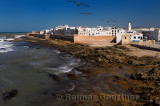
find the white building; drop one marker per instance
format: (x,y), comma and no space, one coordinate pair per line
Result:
(46,31)
(65,30)
(152,34)
(140,30)
(99,31)
(134,35)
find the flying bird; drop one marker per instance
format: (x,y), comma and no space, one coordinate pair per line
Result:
(85,13)
(78,4)
(113,20)
(109,20)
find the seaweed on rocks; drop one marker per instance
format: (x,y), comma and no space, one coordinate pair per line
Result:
(102,59)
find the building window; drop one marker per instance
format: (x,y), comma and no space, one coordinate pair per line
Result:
(134,37)
(139,37)
(125,37)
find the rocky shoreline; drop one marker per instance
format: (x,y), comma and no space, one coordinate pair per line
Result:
(137,75)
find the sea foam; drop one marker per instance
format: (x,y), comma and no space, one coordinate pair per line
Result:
(6,45)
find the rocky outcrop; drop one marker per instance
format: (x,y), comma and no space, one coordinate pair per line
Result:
(153,74)
(55,77)
(99,60)
(148,85)
(9,94)
(72,76)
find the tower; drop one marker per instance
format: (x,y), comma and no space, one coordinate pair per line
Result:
(129,26)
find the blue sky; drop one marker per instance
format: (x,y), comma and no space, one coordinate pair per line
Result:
(28,15)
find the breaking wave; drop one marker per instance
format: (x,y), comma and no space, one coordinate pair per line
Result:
(65,68)
(18,36)
(61,69)
(6,45)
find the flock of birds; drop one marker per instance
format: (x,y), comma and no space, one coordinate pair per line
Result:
(82,4)
(78,4)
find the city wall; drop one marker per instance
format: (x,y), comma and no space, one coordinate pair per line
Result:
(74,38)
(37,35)
(63,37)
(85,39)
(149,45)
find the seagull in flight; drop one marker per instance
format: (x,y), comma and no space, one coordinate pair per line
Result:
(107,21)
(78,4)
(110,21)
(113,20)
(85,13)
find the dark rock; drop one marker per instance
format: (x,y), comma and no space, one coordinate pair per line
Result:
(72,76)
(10,37)
(9,94)
(120,67)
(153,74)
(55,77)
(117,77)
(137,76)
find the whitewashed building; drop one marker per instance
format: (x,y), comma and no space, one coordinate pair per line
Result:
(99,31)
(47,31)
(65,30)
(152,34)
(134,35)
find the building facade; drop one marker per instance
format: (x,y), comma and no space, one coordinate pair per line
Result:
(152,34)
(65,30)
(100,31)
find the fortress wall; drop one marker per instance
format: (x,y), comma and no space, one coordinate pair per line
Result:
(75,38)
(42,36)
(85,39)
(63,37)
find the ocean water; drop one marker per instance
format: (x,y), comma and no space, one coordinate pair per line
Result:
(26,68)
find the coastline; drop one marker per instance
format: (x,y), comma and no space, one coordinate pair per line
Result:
(114,67)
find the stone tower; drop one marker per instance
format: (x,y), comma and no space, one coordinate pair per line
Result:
(129,26)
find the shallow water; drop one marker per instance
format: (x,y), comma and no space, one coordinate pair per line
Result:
(26,67)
